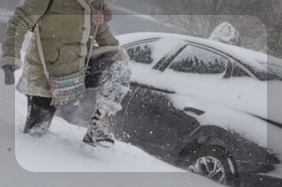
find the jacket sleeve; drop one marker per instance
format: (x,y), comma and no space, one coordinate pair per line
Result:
(24,18)
(106,40)
(105,37)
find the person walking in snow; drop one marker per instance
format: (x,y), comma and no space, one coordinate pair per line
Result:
(72,49)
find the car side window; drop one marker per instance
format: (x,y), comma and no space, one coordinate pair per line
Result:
(141,53)
(195,59)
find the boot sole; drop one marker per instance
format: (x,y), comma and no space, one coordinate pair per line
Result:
(108,143)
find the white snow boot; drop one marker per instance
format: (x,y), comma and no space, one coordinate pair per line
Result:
(97,133)
(113,85)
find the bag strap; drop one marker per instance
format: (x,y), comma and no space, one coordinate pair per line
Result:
(93,36)
(41,52)
(48,8)
(39,43)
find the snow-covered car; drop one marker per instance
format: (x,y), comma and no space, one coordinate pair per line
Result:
(202,105)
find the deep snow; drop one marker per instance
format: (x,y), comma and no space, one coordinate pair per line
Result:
(63,151)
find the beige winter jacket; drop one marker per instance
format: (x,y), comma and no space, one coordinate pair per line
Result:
(64,31)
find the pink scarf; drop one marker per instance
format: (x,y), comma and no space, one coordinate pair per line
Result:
(102,16)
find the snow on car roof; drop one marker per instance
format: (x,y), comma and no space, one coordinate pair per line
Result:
(245,56)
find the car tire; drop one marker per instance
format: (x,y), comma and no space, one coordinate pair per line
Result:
(214,163)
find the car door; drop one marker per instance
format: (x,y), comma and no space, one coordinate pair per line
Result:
(211,77)
(247,87)
(149,120)
(198,71)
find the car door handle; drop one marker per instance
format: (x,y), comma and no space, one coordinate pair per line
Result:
(194,110)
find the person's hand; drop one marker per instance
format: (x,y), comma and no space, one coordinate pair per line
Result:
(9,74)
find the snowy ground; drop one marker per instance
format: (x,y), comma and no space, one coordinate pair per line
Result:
(63,151)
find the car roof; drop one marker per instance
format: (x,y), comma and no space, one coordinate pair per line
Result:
(246,56)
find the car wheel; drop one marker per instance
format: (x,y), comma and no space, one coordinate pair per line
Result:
(214,163)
